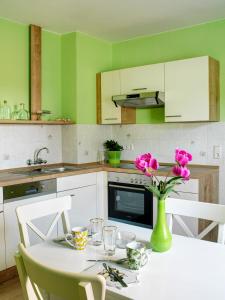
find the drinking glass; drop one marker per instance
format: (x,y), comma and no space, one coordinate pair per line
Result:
(96,231)
(109,237)
(101,157)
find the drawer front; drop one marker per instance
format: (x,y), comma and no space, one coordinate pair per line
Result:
(190,186)
(76,181)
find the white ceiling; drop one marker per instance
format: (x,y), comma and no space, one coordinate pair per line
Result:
(113,20)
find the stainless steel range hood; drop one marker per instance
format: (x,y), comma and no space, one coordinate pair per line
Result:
(140,100)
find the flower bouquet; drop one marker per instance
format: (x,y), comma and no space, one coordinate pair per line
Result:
(161,239)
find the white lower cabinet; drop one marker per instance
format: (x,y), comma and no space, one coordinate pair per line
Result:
(84,205)
(2,243)
(12,237)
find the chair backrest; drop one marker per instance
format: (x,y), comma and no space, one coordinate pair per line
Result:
(201,210)
(27,213)
(35,278)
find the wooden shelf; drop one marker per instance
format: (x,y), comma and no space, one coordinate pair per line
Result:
(31,122)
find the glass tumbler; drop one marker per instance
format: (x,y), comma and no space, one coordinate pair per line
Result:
(96,231)
(109,237)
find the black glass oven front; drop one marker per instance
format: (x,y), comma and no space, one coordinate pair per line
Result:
(130,203)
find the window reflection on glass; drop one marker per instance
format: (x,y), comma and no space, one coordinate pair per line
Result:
(129,202)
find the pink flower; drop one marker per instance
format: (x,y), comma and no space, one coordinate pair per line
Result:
(146,163)
(182,157)
(181,171)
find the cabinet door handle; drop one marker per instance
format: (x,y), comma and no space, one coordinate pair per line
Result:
(174,116)
(110,119)
(139,89)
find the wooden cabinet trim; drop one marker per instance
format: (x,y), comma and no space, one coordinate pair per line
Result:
(214,90)
(98,99)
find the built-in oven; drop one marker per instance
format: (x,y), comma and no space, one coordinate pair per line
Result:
(128,199)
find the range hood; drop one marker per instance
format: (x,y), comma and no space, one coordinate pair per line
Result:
(140,100)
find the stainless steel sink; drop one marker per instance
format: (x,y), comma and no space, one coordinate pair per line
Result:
(47,170)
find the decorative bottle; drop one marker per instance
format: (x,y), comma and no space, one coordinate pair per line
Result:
(6,111)
(22,114)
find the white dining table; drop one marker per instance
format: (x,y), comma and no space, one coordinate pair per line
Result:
(191,270)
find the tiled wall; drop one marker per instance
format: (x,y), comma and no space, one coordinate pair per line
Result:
(18,143)
(162,139)
(81,143)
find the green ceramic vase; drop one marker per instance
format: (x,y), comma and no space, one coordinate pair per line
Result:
(114,157)
(161,238)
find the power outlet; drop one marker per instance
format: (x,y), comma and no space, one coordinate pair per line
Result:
(128,147)
(217,152)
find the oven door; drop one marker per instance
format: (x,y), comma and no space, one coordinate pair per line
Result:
(132,204)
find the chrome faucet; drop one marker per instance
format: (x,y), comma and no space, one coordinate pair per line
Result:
(38,160)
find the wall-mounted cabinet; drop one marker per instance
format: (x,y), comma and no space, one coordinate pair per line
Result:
(142,79)
(125,81)
(192,90)
(108,84)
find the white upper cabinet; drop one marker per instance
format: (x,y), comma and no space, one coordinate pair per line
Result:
(192,90)
(110,85)
(142,79)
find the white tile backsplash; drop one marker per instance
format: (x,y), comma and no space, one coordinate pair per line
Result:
(91,142)
(162,139)
(80,143)
(18,143)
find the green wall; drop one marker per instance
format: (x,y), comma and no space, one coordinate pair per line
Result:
(82,57)
(14,63)
(206,39)
(14,66)
(51,73)
(68,75)
(93,56)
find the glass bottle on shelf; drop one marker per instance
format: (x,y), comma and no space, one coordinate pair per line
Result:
(22,114)
(6,111)
(14,115)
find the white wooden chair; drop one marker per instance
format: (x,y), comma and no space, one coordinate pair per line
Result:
(201,210)
(27,213)
(35,278)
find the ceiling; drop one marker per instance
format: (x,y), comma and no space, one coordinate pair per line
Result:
(113,20)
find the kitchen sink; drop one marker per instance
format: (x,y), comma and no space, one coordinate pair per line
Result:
(47,170)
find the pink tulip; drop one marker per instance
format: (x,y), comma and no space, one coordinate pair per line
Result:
(182,157)
(181,171)
(146,163)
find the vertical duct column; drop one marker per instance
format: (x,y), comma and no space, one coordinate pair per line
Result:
(35,71)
